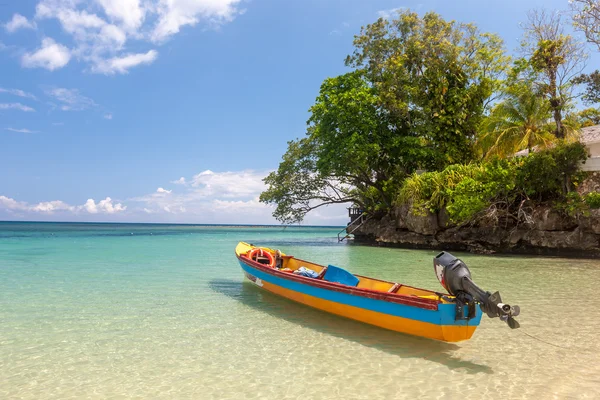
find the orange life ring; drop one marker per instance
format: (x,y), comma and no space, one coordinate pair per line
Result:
(258,252)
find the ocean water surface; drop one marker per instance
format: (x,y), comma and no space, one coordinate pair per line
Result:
(162,311)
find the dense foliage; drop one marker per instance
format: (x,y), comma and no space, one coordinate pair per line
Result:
(498,188)
(593,200)
(435,78)
(426,94)
(415,99)
(592,86)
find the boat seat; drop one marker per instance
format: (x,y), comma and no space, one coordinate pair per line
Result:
(340,275)
(395,288)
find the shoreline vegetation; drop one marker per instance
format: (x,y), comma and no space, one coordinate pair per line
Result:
(426,135)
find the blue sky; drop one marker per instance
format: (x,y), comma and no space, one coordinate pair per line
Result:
(106,104)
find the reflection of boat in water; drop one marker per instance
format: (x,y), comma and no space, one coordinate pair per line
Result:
(448,317)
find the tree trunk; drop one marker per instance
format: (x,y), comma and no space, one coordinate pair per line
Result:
(560,130)
(555,103)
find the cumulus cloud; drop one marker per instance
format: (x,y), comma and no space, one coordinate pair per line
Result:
(128,13)
(101,29)
(70,99)
(230,197)
(105,206)
(21,130)
(19,22)
(18,92)
(108,116)
(51,206)
(15,106)
(50,56)
(211,194)
(229,184)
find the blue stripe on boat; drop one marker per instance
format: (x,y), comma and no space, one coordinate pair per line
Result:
(443,316)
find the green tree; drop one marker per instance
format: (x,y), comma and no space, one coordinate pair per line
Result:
(417,94)
(519,122)
(352,153)
(435,77)
(592,86)
(588,117)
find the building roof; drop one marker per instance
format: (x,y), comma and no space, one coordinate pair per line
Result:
(590,134)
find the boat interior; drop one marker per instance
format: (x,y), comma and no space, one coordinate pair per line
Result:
(290,264)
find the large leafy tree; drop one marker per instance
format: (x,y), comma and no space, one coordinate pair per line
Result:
(414,100)
(352,153)
(434,76)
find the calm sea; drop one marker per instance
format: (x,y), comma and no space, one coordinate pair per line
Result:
(161,311)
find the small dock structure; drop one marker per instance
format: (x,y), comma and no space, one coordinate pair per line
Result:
(357,218)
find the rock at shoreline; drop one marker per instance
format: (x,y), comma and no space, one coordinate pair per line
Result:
(550,233)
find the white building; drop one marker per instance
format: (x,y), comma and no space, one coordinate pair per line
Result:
(590,136)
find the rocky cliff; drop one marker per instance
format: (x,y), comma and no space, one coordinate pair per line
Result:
(548,232)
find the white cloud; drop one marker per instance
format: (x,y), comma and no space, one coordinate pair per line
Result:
(18,22)
(101,29)
(173,14)
(108,116)
(229,184)
(105,206)
(129,13)
(18,92)
(15,106)
(122,64)
(50,56)
(21,130)
(215,197)
(71,99)
(210,197)
(11,204)
(73,21)
(51,206)
(391,13)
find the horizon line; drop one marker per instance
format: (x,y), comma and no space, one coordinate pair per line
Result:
(171,223)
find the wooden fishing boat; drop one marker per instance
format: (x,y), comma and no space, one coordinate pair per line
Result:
(390,305)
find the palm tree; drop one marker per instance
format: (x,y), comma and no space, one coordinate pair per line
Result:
(521,121)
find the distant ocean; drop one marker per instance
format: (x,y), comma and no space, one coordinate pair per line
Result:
(161,311)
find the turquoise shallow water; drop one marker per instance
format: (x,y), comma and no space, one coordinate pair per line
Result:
(158,311)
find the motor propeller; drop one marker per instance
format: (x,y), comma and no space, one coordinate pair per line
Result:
(455,277)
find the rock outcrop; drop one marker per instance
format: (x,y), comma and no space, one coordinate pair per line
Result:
(550,232)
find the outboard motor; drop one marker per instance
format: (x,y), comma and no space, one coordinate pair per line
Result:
(455,277)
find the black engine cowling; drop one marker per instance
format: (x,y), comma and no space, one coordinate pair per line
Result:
(455,277)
